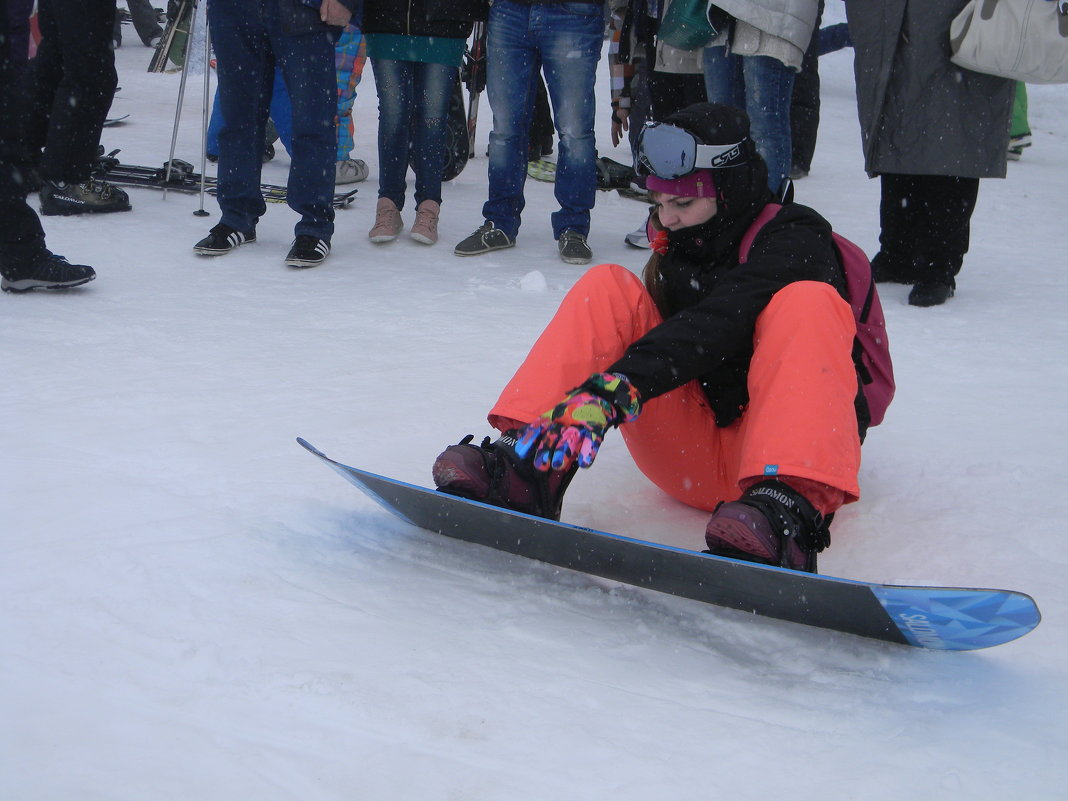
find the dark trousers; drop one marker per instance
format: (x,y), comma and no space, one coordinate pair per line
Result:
(18,30)
(671,92)
(70,85)
(805,103)
(20,229)
(249,43)
(926,222)
(145,22)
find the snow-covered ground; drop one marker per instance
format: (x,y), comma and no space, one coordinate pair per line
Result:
(194,609)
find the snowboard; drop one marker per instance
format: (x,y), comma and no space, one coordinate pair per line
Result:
(182,178)
(171,46)
(944,618)
(610,175)
(474,78)
(542,170)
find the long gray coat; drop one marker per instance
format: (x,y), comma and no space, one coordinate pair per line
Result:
(920,114)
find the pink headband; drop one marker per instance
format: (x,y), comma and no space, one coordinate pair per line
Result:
(698,183)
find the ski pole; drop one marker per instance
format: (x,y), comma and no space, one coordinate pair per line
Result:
(181,96)
(204,118)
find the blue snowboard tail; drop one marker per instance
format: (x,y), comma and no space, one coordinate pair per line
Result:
(944,618)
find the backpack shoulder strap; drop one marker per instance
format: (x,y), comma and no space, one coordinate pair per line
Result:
(766,214)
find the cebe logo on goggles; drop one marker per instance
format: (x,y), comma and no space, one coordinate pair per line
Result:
(669,152)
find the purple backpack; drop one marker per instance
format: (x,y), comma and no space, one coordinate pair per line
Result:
(871,349)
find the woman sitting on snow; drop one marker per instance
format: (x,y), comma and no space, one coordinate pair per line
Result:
(733,386)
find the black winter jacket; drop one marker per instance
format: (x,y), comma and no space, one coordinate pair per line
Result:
(446,18)
(713,302)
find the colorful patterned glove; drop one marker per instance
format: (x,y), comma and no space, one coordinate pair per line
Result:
(573,430)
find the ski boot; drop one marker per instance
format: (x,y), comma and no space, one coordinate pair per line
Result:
(772,524)
(493,473)
(89,197)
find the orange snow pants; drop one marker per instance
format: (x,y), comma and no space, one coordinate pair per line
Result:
(800,420)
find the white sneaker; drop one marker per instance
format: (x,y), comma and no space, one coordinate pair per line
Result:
(350,171)
(638,238)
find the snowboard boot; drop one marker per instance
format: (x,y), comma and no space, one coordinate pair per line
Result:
(89,197)
(772,524)
(493,473)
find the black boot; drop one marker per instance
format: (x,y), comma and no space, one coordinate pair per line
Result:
(932,292)
(887,268)
(45,271)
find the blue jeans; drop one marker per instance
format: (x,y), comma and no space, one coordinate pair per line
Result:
(564,40)
(763,86)
(413,116)
(249,41)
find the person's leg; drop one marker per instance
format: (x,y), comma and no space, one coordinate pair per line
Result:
(282,111)
(569,38)
(350,54)
(42,76)
(925,228)
(18,34)
(941,235)
(724,80)
(215,125)
(542,129)
(768,90)
(307,64)
(674,91)
(145,21)
(796,450)
(832,38)
(25,262)
(1019,126)
(606,310)
(394,81)
(676,443)
(805,107)
(245,70)
(801,420)
(433,94)
(22,239)
(85,63)
(511,60)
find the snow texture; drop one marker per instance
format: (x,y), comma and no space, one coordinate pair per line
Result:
(194,609)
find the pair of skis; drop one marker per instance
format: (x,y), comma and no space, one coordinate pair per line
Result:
(181,178)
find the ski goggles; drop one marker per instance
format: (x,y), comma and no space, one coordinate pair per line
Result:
(667,151)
